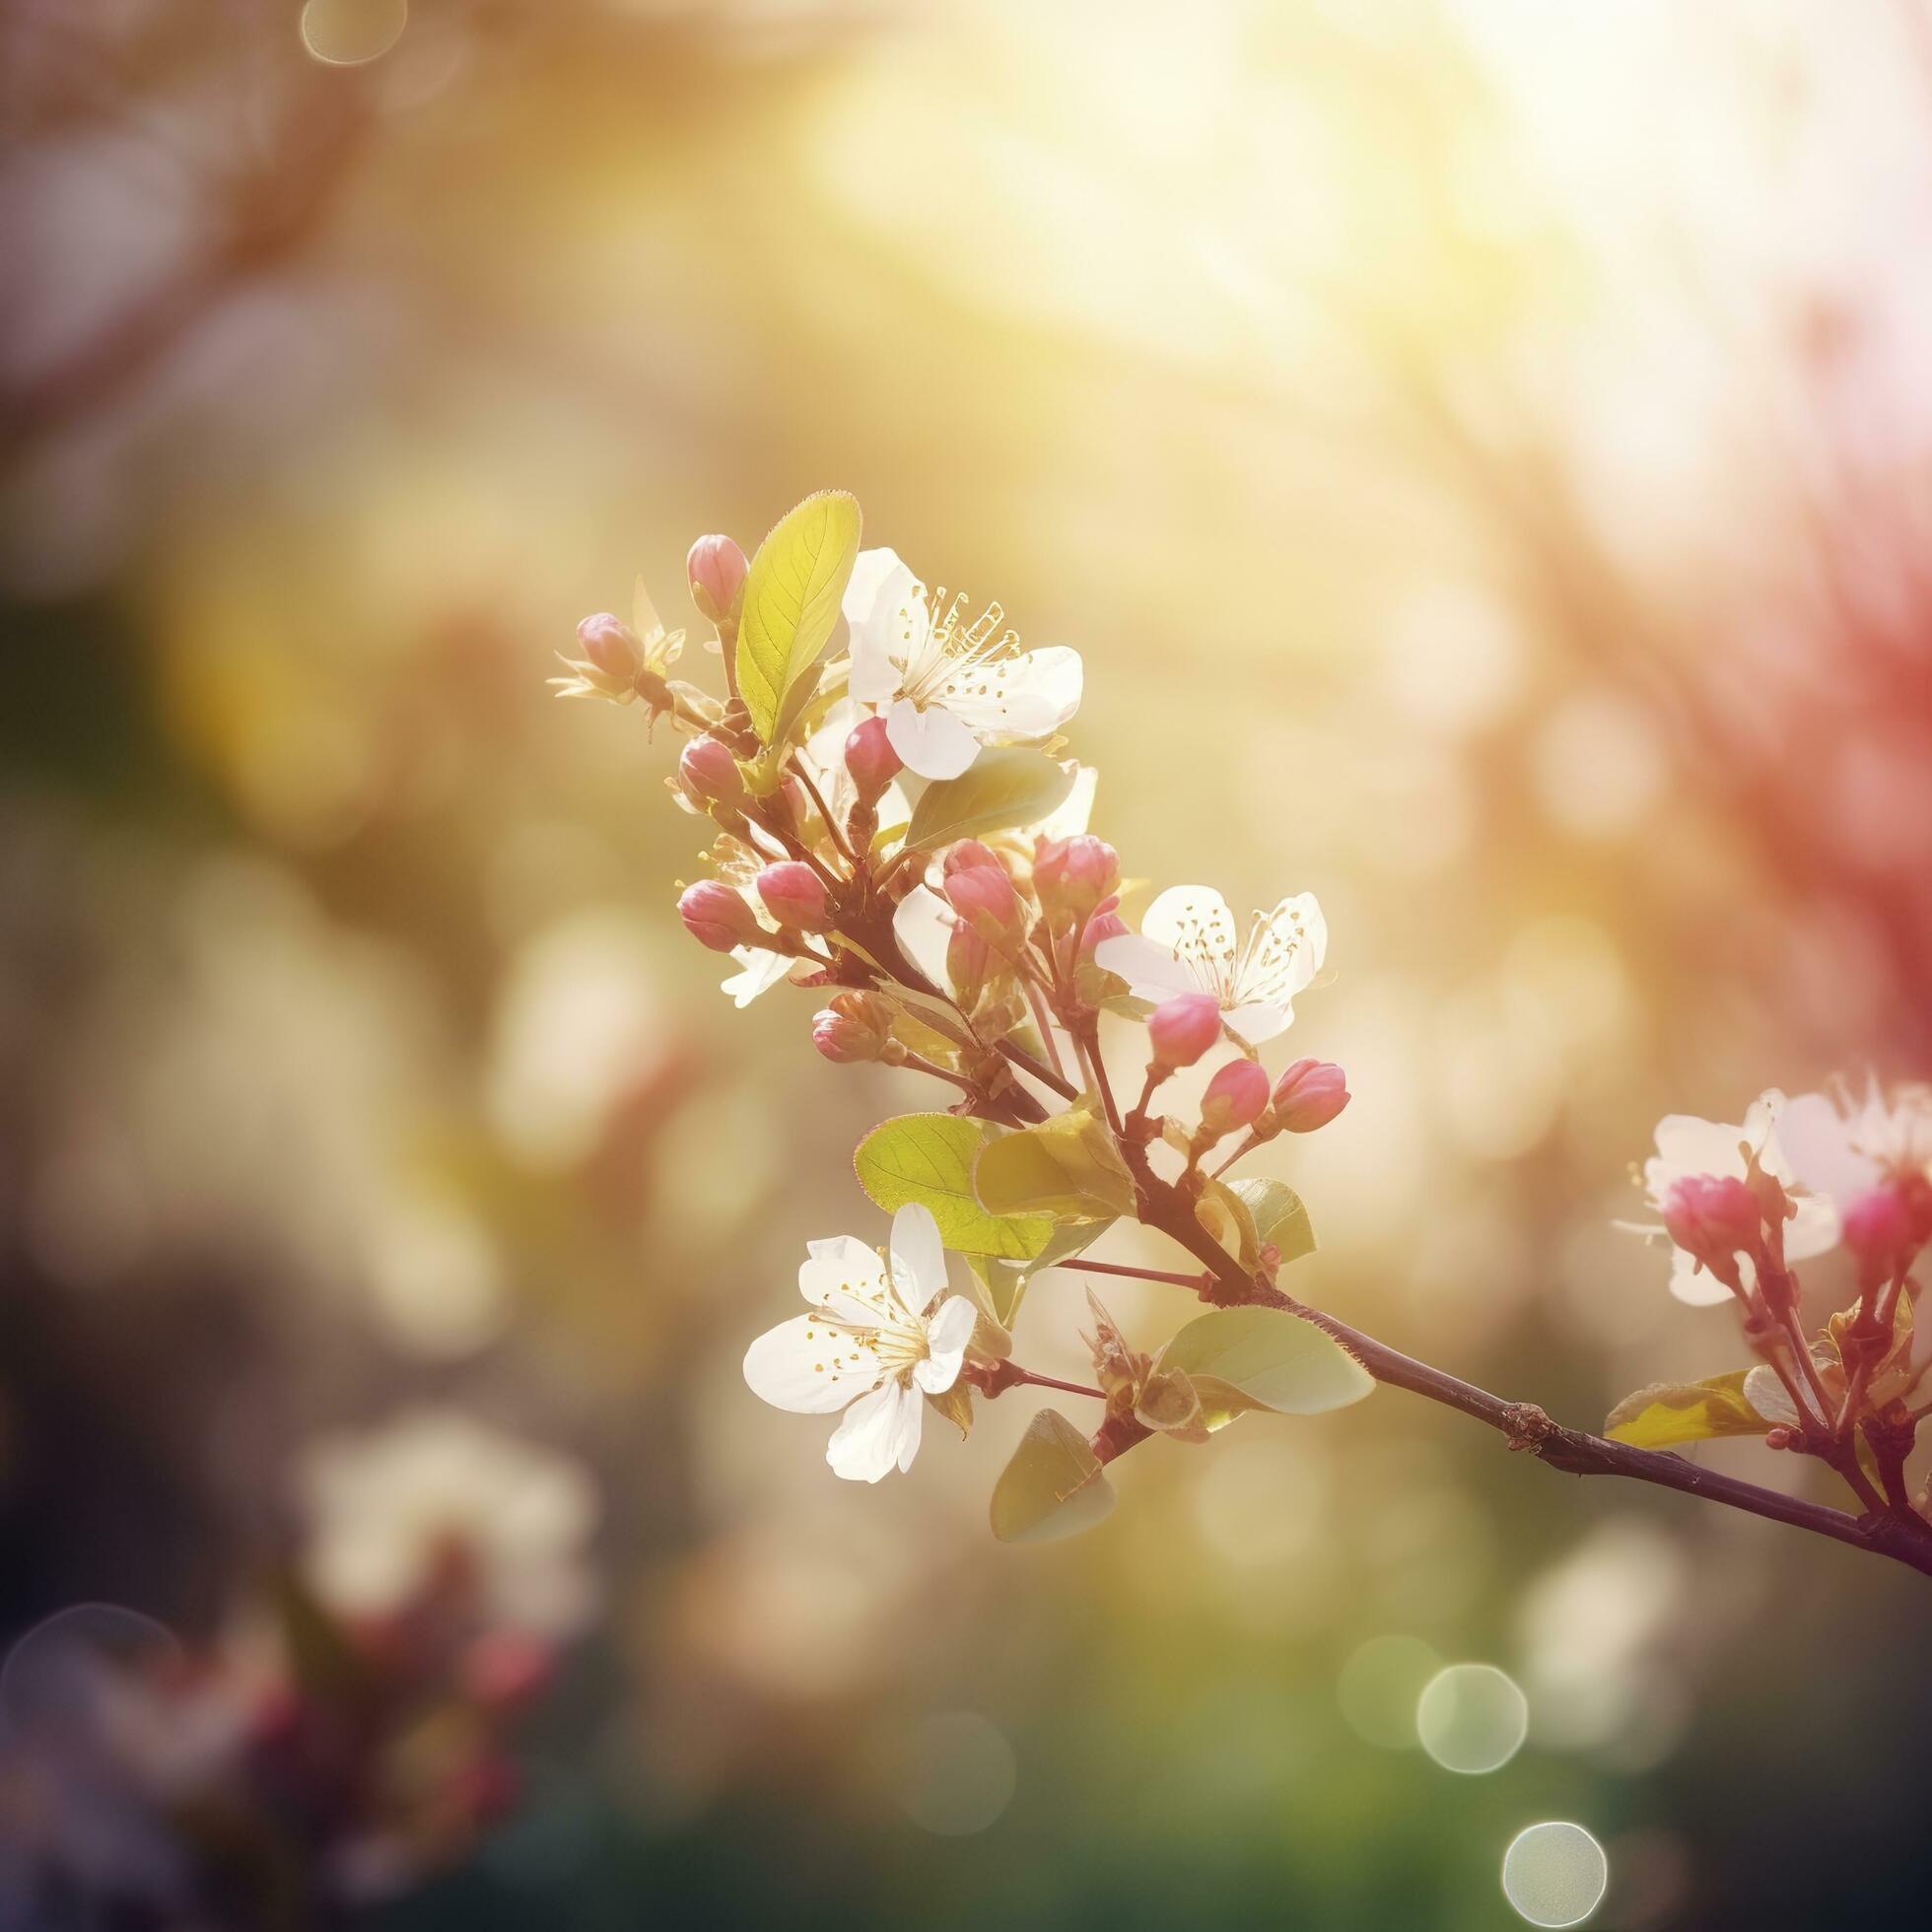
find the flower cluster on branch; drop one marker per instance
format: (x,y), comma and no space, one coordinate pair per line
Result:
(896,824)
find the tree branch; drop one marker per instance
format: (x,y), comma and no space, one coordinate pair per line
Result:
(1905,1538)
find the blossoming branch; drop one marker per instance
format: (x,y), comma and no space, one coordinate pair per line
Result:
(895,824)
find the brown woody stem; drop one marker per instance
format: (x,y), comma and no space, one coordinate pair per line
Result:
(1899,1533)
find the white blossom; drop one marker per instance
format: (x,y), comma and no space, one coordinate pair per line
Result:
(384,1507)
(869,1345)
(944,685)
(1687,1147)
(1187,943)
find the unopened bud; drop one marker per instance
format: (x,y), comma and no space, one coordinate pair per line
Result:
(718,918)
(871,759)
(1879,1232)
(794,894)
(611,645)
(1714,1219)
(966,855)
(984,896)
(716,569)
(1183,1028)
(1234,1097)
(708,770)
(1074,875)
(1308,1095)
(854,1027)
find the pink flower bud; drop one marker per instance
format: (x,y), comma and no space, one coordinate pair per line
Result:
(716,569)
(1309,1094)
(718,918)
(871,759)
(707,769)
(1183,1028)
(1880,1232)
(611,645)
(1107,925)
(854,1027)
(1234,1098)
(1074,875)
(985,896)
(794,895)
(1714,1219)
(969,852)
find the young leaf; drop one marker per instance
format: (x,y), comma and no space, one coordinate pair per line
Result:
(790,604)
(1004,785)
(928,1159)
(1005,1281)
(1066,1167)
(1669,1413)
(1278,1215)
(1225,1216)
(1268,1358)
(1053,1486)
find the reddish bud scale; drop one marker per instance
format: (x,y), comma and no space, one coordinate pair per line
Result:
(967,854)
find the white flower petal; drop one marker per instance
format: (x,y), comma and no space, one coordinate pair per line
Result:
(1256,1021)
(946,1336)
(1193,922)
(1817,1140)
(1687,1144)
(871,572)
(841,1269)
(1150,969)
(807,1366)
(918,1257)
(1699,1287)
(1030,696)
(1283,952)
(933,744)
(923,924)
(879,607)
(761,972)
(1812,1230)
(880,1430)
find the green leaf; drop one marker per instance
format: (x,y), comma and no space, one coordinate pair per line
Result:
(1053,1486)
(1268,1358)
(928,1159)
(1225,1216)
(1004,785)
(1005,1281)
(1669,1413)
(790,604)
(1280,1217)
(1067,1167)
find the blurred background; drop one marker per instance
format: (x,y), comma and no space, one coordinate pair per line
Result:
(1482,451)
